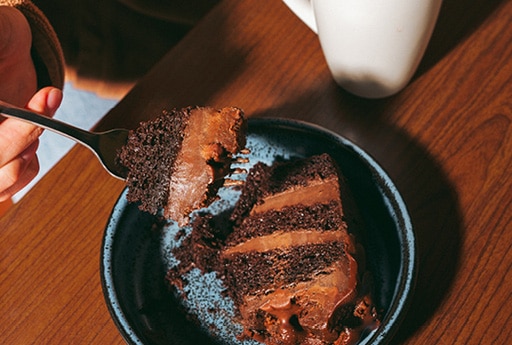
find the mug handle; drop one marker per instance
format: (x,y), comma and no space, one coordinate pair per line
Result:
(304,10)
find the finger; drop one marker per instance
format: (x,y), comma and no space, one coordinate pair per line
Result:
(19,172)
(28,175)
(46,101)
(18,140)
(15,135)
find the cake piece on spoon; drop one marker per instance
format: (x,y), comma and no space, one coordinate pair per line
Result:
(178,161)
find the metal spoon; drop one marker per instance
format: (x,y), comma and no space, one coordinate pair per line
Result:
(104,145)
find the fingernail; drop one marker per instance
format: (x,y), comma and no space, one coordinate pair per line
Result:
(54,99)
(30,151)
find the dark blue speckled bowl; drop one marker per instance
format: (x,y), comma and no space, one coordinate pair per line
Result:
(135,255)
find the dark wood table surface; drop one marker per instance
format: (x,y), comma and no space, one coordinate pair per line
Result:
(446,142)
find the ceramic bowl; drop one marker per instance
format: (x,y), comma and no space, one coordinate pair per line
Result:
(135,254)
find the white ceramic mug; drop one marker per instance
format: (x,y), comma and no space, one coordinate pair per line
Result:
(372,47)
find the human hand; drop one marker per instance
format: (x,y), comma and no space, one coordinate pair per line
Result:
(18,84)
(19,141)
(18,80)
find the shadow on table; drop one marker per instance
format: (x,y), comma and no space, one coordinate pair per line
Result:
(457,19)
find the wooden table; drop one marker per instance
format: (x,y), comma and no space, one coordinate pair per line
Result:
(446,141)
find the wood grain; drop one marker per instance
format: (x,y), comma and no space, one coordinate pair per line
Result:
(446,141)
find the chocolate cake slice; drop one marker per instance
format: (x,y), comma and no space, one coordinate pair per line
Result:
(178,161)
(290,263)
(294,271)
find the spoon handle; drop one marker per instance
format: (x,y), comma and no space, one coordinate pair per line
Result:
(82,136)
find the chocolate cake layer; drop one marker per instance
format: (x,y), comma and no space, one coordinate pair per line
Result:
(322,217)
(150,155)
(278,268)
(304,181)
(178,161)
